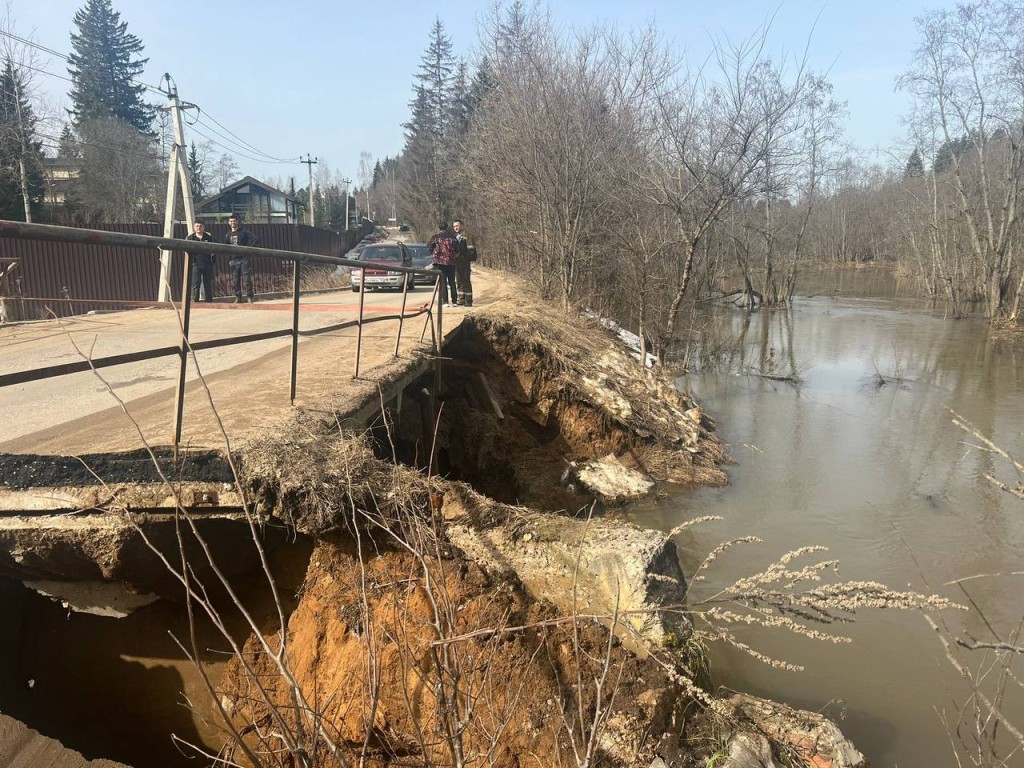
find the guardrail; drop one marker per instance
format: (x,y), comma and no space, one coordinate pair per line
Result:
(23,231)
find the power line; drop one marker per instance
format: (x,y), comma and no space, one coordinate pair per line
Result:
(243,147)
(242,154)
(243,141)
(65,57)
(33,44)
(93,145)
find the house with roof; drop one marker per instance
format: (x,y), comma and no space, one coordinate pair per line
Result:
(60,174)
(253,202)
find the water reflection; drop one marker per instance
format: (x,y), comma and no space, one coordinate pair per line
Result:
(838,416)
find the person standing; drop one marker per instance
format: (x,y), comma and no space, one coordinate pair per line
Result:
(442,248)
(202,264)
(465,255)
(241,266)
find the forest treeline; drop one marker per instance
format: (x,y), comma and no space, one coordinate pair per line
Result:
(619,175)
(606,166)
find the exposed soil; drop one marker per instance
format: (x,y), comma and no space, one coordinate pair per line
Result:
(528,395)
(362,649)
(376,641)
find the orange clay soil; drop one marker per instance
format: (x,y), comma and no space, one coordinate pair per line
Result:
(360,650)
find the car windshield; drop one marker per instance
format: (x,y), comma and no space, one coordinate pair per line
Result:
(419,252)
(381,253)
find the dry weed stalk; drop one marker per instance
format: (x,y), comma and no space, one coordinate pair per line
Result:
(982,733)
(793,598)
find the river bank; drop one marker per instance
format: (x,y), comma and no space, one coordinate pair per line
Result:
(496,610)
(478,628)
(859,451)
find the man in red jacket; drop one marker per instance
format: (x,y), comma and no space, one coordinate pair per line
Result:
(442,247)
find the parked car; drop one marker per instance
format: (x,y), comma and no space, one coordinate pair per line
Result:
(421,260)
(378,258)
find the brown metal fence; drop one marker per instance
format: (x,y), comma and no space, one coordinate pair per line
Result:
(55,278)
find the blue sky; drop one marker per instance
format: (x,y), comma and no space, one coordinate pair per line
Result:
(334,77)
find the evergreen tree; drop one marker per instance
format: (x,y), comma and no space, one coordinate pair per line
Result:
(378,174)
(67,145)
(104,66)
(950,153)
(915,166)
(436,74)
(483,82)
(196,174)
(22,187)
(429,131)
(460,111)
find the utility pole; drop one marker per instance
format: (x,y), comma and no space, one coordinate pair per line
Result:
(310,162)
(346,182)
(177,170)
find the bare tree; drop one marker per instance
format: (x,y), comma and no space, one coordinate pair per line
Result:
(120,179)
(225,171)
(967,80)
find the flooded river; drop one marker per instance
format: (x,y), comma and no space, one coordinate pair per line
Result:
(860,454)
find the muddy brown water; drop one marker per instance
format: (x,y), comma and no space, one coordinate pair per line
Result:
(879,474)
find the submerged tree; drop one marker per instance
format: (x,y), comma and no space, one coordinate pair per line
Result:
(968,86)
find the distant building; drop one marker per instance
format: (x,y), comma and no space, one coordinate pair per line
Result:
(60,173)
(253,202)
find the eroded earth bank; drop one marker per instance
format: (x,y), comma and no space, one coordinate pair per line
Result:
(449,587)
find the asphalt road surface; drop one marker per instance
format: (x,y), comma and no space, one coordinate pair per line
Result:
(41,407)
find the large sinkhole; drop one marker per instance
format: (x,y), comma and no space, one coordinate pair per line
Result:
(124,688)
(500,418)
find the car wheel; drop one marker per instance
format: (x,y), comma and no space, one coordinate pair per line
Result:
(355,289)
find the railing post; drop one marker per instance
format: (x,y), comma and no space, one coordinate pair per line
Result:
(429,323)
(438,339)
(295,327)
(401,317)
(179,394)
(359,322)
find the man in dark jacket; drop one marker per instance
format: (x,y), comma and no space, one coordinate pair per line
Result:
(241,266)
(465,255)
(442,247)
(202,264)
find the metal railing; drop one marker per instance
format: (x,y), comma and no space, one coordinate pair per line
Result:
(46,232)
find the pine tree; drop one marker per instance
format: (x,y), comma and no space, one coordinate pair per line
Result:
(483,82)
(22,188)
(430,130)
(915,166)
(378,174)
(104,68)
(196,174)
(460,110)
(435,75)
(67,146)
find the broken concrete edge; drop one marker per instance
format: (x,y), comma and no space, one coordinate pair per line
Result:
(127,497)
(611,481)
(22,746)
(807,737)
(629,576)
